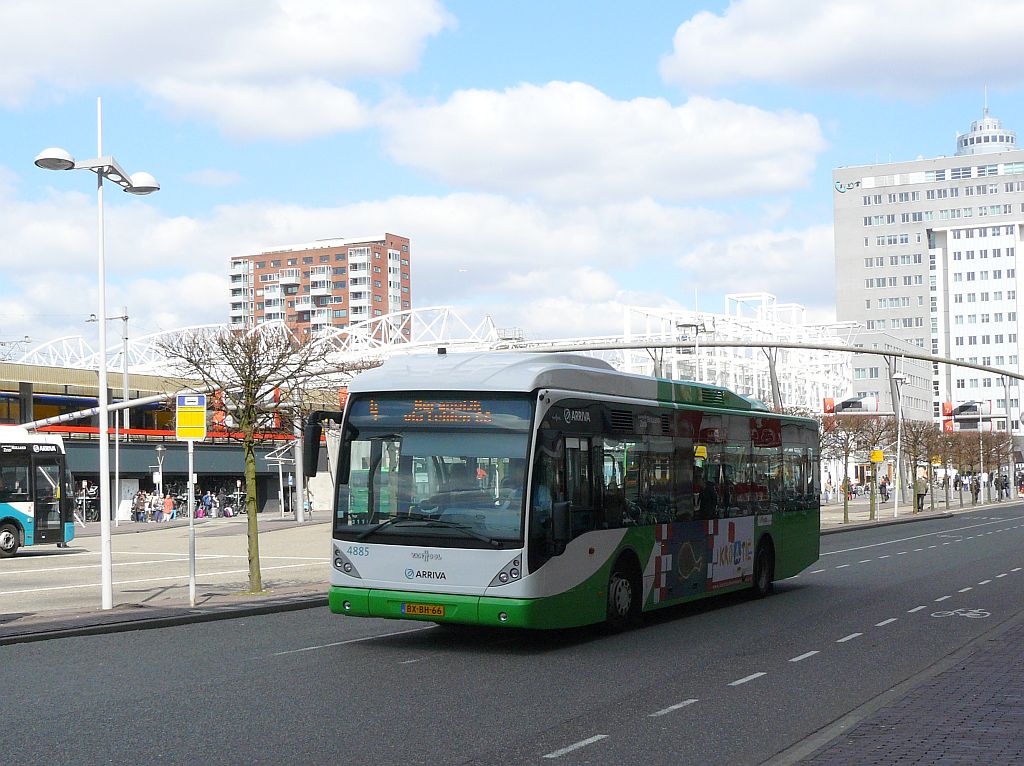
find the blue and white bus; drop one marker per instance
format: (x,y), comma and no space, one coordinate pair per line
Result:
(36,501)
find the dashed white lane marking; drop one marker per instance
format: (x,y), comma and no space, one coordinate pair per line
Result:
(842,566)
(942,598)
(885,622)
(918,549)
(984,582)
(816,571)
(670,708)
(577,746)
(916,609)
(964,590)
(350,641)
(744,680)
(903,553)
(865,561)
(410,662)
(885,556)
(803,656)
(850,637)
(1015,569)
(1001,575)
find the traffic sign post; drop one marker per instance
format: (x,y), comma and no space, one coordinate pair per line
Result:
(190,425)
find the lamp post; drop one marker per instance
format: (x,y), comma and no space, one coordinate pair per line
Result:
(105,167)
(898,379)
(160,450)
(124,411)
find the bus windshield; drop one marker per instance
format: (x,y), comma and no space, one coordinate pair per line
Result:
(443,472)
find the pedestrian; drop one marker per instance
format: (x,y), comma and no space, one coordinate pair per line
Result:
(168,508)
(920,490)
(883,489)
(975,488)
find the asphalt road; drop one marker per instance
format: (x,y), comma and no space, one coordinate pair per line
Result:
(729,681)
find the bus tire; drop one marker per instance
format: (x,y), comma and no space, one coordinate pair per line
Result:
(764,569)
(624,594)
(8,540)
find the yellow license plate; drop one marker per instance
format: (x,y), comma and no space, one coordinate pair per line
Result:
(423,610)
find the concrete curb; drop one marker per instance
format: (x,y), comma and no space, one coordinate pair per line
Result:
(141,618)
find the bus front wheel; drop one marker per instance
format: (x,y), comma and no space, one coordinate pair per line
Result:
(764,570)
(8,541)
(623,598)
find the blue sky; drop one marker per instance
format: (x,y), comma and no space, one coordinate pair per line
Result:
(552,162)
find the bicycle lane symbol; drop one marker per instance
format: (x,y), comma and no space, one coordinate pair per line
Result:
(972,613)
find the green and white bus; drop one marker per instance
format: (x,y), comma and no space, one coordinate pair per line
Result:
(36,500)
(549,490)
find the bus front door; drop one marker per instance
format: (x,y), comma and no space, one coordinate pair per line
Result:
(47,478)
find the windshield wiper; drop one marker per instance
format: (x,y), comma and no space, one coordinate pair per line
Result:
(438,522)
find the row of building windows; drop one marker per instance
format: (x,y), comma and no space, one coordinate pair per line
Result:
(997,252)
(909,280)
(894,260)
(949,214)
(982,231)
(983,275)
(982,383)
(972,340)
(1011,316)
(985,297)
(895,324)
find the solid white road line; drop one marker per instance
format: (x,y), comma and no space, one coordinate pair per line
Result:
(670,708)
(751,677)
(803,656)
(351,641)
(577,746)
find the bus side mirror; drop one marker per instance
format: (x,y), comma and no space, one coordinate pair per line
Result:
(561,523)
(311,446)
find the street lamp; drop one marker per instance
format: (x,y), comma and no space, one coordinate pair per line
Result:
(124,410)
(160,450)
(898,379)
(105,167)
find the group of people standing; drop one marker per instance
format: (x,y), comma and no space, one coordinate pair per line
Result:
(152,507)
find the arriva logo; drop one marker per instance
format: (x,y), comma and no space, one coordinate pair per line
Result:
(577,416)
(424,574)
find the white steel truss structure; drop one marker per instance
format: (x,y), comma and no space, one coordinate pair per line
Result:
(806,376)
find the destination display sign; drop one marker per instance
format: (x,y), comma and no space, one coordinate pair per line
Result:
(390,412)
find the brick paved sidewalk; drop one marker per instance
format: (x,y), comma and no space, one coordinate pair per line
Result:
(971,713)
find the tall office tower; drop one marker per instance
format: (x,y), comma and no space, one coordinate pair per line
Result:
(329,283)
(926,250)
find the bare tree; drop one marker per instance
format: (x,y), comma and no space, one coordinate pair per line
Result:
(262,375)
(874,432)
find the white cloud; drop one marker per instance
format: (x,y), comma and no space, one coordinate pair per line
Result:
(902,47)
(255,67)
(798,266)
(554,272)
(569,142)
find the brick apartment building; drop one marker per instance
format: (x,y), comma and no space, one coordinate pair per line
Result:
(329,283)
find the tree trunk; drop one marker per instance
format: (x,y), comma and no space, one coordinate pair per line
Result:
(255,579)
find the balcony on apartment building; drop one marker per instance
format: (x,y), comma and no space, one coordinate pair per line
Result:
(289,276)
(320,287)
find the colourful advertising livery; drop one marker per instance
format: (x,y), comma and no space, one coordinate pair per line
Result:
(550,490)
(36,501)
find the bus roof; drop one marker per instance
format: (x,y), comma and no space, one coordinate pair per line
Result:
(525,372)
(18,435)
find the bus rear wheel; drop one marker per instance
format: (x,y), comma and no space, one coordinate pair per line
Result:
(764,570)
(623,598)
(8,541)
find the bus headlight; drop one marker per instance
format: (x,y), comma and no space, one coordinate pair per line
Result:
(343,564)
(509,573)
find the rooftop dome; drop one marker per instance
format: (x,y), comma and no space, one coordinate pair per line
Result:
(987,135)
